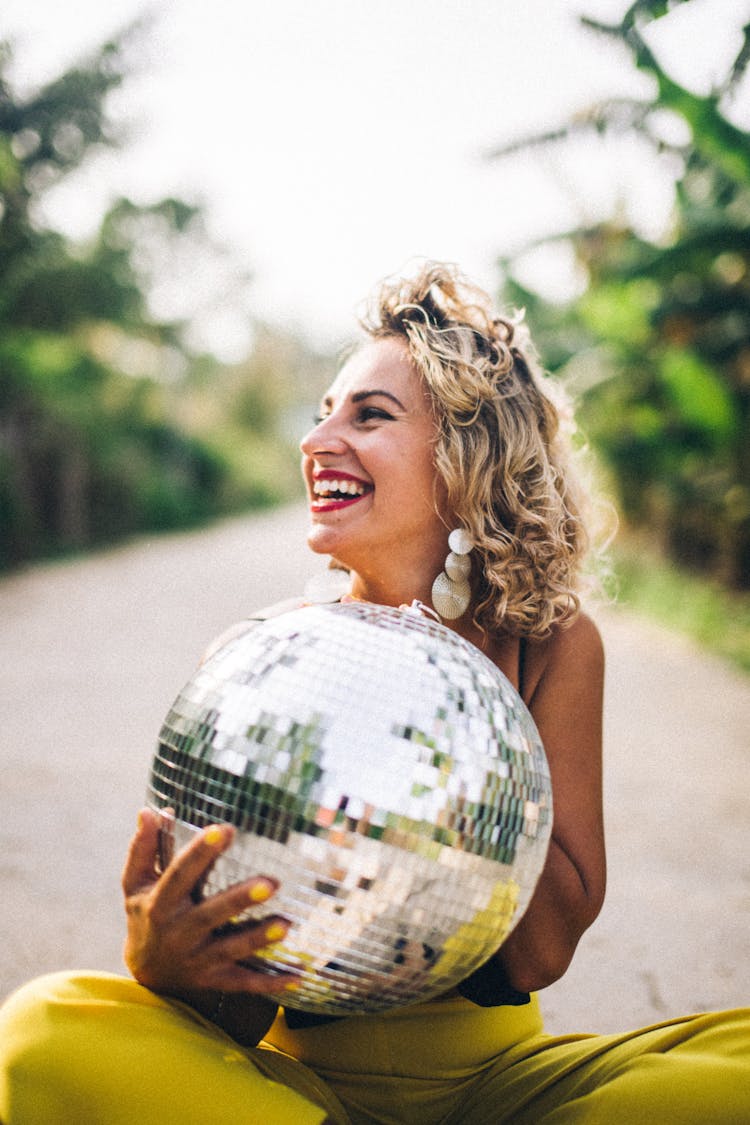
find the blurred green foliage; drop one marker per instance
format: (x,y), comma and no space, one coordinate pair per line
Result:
(657,349)
(109,423)
(705,610)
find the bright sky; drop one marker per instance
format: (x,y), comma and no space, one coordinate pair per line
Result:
(332,141)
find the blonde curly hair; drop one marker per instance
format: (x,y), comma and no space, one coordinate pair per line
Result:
(501,448)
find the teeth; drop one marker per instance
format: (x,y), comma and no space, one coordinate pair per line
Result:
(345,487)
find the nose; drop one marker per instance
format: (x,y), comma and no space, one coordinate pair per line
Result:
(325,437)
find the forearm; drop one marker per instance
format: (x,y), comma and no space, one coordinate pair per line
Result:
(540,948)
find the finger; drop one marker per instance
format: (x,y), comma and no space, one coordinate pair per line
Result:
(139,871)
(225,906)
(232,977)
(232,963)
(166,838)
(244,942)
(191,865)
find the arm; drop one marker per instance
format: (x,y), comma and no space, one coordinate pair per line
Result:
(565,688)
(176,947)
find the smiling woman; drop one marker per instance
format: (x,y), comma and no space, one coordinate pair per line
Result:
(376,435)
(439,470)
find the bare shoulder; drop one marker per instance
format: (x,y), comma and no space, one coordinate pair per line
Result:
(570,651)
(581,639)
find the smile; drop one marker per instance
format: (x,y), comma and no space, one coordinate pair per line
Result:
(332,490)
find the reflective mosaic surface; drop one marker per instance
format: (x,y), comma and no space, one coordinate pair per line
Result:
(386,773)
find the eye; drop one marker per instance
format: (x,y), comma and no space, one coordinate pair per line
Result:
(373,413)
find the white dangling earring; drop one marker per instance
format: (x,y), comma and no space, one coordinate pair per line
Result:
(451,592)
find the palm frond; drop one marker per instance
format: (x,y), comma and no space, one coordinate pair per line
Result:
(617,114)
(639,14)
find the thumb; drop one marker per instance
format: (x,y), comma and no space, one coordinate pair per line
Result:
(140,870)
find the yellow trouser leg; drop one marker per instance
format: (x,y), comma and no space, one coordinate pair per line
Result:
(98,1049)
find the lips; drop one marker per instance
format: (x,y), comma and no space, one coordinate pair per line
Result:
(333,490)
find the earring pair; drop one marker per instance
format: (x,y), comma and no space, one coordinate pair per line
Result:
(451,592)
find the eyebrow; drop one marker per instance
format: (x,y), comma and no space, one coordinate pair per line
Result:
(359,396)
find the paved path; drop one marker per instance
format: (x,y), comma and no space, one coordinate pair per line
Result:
(93,652)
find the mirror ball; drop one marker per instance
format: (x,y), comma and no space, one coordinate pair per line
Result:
(386,773)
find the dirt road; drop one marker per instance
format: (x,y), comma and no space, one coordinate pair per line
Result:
(93,652)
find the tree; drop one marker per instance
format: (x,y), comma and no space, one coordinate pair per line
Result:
(89,448)
(660,341)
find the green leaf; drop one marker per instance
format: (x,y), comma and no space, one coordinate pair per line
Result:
(698,392)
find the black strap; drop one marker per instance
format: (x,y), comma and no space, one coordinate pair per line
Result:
(522,652)
(489,987)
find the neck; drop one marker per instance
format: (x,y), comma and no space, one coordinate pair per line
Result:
(397,589)
(398,592)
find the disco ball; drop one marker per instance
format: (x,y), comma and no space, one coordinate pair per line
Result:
(386,773)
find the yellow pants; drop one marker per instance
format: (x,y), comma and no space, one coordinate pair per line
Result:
(97,1049)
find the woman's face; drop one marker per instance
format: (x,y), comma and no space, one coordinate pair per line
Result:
(368,464)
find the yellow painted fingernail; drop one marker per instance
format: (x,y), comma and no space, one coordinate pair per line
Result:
(260,892)
(293,985)
(276,931)
(213,835)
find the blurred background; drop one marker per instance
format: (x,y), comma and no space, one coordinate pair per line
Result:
(195,198)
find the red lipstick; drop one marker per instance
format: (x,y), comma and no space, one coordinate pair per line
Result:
(333,489)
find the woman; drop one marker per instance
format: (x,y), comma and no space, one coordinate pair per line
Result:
(438,422)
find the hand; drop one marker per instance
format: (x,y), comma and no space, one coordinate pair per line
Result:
(177,946)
